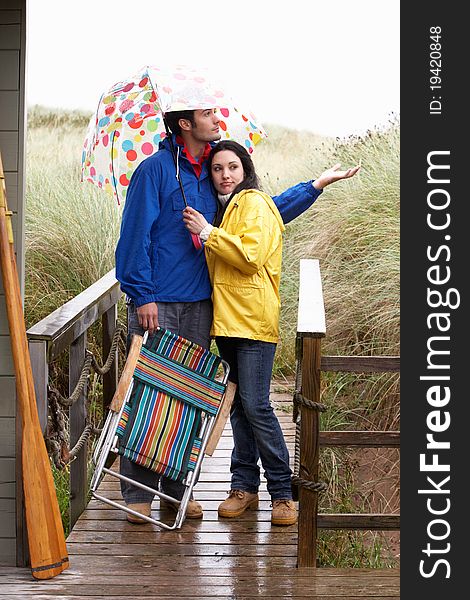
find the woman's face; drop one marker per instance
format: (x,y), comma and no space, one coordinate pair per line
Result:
(227,171)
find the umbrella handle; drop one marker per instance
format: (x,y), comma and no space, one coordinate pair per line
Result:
(196,241)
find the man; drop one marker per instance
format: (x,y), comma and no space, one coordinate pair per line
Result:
(163,275)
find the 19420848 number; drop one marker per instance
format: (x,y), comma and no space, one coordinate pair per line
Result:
(435,58)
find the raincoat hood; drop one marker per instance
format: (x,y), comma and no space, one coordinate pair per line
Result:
(247,195)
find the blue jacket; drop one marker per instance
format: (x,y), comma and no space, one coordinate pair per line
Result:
(155,257)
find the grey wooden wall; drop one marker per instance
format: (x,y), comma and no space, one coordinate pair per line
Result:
(12,147)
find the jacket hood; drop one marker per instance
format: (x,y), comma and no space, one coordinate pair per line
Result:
(165,144)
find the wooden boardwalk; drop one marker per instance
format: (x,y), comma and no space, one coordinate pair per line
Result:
(243,558)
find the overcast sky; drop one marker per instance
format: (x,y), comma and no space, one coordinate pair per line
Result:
(331,67)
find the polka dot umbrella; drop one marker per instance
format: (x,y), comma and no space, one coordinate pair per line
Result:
(128,124)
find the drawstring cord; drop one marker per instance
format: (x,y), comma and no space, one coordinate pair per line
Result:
(177,162)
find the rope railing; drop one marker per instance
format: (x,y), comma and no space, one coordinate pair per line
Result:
(57,438)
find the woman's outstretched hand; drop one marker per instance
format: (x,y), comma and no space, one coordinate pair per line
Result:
(334,174)
(193,220)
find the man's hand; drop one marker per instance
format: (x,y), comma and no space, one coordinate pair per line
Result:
(148,316)
(334,174)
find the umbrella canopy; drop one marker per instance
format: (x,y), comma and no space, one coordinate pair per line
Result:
(128,125)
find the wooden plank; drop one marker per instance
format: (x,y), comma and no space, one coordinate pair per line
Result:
(7,479)
(4,329)
(304,578)
(7,552)
(287,578)
(365,439)
(370,522)
(10,35)
(209,566)
(311,312)
(360,364)
(11,183)
(184,549)
(9,113)
(7,518)
(170,594)
(209,524)
(309,453)
(217,592)
(9,149)
(183,537)
(7,396)
(7,437)
(218,577)
(6,360)
(9,17)
(69,321)
(146,587)
(13,4)
(10,80)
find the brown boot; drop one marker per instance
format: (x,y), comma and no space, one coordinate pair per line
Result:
(144,508)
(284,512)
(236,503)
(193,510)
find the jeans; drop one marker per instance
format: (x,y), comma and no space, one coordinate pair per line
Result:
(256,429)
(191,320)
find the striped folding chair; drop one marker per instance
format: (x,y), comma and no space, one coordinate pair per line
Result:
(166,417)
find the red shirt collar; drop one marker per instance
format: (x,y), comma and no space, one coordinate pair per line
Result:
(196,164)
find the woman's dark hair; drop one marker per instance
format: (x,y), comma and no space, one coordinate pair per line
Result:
(250,180)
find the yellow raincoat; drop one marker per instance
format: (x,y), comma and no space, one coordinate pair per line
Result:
(244,257)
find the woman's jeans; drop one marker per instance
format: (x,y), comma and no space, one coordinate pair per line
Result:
(191,320)
(256,429)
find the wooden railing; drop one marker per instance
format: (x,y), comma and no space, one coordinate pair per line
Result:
(66,328)
(311,329)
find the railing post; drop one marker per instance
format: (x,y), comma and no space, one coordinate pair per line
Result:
(78,467)
(40,368)
(309,453)
(110,379)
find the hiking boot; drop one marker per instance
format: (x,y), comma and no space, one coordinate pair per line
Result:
(284,512)
(144,508)
(236,503)
(193,510)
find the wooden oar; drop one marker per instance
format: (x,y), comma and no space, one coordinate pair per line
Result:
(46,540)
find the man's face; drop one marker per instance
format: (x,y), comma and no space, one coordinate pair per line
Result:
(206,125)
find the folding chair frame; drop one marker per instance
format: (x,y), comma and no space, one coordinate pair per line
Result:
(108,443)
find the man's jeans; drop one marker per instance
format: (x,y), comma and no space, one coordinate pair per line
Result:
(256,429)
(191,320)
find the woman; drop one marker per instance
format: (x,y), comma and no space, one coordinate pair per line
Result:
(243,253)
